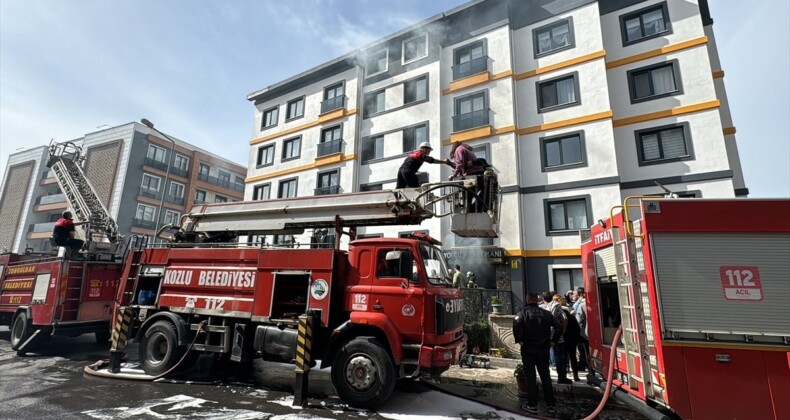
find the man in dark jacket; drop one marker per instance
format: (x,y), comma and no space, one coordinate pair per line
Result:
(64,233)
(536,330)
(407,174)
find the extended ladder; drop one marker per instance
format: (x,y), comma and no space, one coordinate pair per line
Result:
(632,310)
(101,231)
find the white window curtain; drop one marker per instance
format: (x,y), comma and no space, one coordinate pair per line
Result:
(577,215)
(544,41)
(557,216)
(633,29)
(566,91)
(560,36)
(663,80)
(653,22)
(650,149)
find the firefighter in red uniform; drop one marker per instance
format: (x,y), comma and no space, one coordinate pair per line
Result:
(64,233)
(407,174)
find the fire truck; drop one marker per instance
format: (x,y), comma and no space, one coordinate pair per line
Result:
(382,310)
(44,294)
(701,291)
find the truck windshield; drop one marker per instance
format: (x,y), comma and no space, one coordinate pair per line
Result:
(435,265)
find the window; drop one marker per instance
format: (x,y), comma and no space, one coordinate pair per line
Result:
(663,144)
(371,187)
(151,183)
(223,178)
(295,109)
(328,183)
(145,212)
(203,172)
(654,82)
(645,24)
(567,279)
(285,240)
(239,182)
(470,111)
(331,140)
(469,59)
(412,136)
(220,199)
(563,151)
(287,188)
(176,189)
(558,93)
(374,103)
(171,218)
(553,37)
(265,155)
(292,148)
(200,196)
(334,97)
(415,48)
(261,192)
(181,162)
(377,63)
(269,118)
(415,90)
(567,215)
(373,148)
(370,235)
(156,153)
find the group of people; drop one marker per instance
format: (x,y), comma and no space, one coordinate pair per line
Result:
(463,280)
(551,329)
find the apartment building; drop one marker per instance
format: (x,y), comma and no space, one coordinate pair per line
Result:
(144,180)
(578,104)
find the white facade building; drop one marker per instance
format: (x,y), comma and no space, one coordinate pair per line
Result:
(578,104)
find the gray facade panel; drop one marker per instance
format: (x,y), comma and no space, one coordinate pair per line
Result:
(707,176)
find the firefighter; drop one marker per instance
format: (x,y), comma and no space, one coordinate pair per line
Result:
(407,174)
(64,233)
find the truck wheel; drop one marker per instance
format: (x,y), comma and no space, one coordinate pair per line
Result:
(20,330)
(102,337)
(363,373)
(159,349)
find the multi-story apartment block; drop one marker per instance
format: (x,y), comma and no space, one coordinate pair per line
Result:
(578,104)
(143,179)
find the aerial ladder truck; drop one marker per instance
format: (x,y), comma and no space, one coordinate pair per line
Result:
(381,311)
(46,294)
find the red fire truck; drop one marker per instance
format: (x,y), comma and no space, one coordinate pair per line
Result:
(382,310)
(701,290)
(44,294)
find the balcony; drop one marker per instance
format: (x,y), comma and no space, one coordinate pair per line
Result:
(50,199)
(143,223)
(329,147)
(475,66)
(157,164)
(150,193)
(224,183)
(196,201)
(329,190)
(40,230)
(333,104)
(471,120)
(184,173)
(174,199)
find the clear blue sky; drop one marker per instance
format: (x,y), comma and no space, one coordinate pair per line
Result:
(70,66)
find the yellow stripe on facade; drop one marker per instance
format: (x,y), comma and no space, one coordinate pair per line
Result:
(681,110)
(657,52)
(565,123)
(478,133)
(727,346)
(533,253)
(323,118)
(728,130)
(475,80)
(718,74)
(317,164)
(561,65)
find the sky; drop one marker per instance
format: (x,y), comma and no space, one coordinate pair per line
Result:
(72,67)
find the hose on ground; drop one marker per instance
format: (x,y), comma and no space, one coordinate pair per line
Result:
(609,375)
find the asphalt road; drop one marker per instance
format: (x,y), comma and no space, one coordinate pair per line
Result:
(51,384)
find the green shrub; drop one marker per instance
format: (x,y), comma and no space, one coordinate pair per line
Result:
(479,335)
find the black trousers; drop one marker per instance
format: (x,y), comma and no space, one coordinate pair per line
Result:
(584,350)
(562,360)
(537,357)
(407,179)
(570,350)
(74,244)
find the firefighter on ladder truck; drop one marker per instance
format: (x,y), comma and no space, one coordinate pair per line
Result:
(383,310)
(49,293)
(700,289)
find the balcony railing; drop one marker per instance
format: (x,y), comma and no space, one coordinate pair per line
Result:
(477,65)
(470,120)
(179,172)
(329,147)
(150,193)
(174,199)
(328,190)
(41,227)
(51,199)
(196,201)
(332,104)
(221,182)
(158,164)
(143,223)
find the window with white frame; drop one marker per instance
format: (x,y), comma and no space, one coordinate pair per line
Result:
(295,109)
(287,188)
(171,218)
(262,192)
(377,62)
(200,196)
(656,81)
(151,183)
(265,155)
(415,90)
(269,117)
(372,148)
(176,190)
(145,212)
(567,215)
(663,144)
(156,153)
(415,48)
(181,162)
(292,148)
(558,92)
(553,37)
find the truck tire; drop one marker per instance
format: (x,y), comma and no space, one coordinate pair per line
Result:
(159,349)
(102,337)
(363,373)
(20,330)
